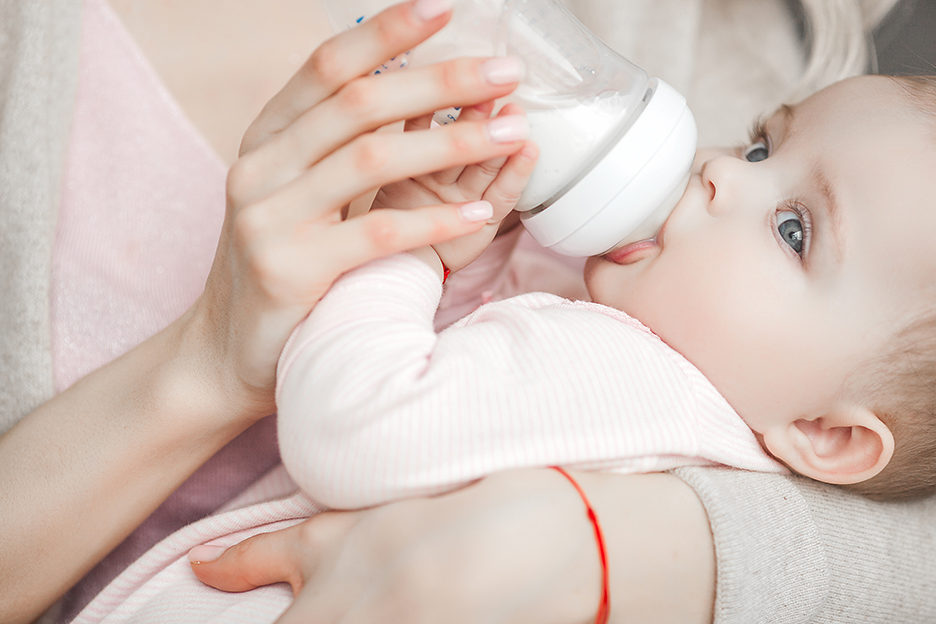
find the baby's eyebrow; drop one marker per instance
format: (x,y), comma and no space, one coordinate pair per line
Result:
(821,182)
(788,112)
(832,208)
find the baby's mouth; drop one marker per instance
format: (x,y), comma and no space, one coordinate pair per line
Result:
(633,252)
(638,250)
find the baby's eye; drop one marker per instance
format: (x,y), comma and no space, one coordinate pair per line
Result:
(756,151)
(792,229)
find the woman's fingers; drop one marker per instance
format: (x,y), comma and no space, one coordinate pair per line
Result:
(474,112)
(383,232)
(282,256)
(477,112)
(376,159)
(260,560)
(345,56)
(367,103)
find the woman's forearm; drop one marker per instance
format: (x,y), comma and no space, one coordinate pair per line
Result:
(84,469)
(661,555)
(514,547)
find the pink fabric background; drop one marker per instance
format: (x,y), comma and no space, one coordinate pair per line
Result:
(142,205)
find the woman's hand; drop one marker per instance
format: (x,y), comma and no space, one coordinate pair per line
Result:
(499,181)
(515,547)
(80,472)
(310,152)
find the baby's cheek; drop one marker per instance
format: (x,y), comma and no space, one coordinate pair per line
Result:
(591,277)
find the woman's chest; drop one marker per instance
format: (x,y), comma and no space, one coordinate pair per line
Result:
(222,61)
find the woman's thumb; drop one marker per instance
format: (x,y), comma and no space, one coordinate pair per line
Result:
(260,560)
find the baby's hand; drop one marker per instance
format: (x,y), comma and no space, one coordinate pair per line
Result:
(499,181)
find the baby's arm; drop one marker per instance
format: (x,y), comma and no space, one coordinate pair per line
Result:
(365,381)
(375,406)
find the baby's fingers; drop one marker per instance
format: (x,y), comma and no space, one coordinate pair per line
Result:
(506,189)
(478,112)
(475,179)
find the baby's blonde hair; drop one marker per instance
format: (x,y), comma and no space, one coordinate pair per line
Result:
(901,388)
(901,384)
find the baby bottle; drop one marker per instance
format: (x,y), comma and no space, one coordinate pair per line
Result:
(615,145)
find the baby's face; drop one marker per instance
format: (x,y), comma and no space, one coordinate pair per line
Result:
(789,262)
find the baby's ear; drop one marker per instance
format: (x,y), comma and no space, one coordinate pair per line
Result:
(849,444)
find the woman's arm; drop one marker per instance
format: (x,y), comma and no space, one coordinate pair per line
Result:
(788,549)
(84,469)
(514,547)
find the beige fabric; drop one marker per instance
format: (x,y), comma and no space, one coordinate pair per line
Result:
(794,551)
(37,74)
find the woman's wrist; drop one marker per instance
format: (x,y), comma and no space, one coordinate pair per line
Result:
(203,370)
(94,461)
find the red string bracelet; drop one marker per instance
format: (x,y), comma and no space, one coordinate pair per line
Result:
(445,272)
(604,607)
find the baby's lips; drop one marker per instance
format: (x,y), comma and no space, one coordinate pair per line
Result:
(633,252)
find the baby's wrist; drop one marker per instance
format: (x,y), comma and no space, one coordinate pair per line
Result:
(431,259)
(508,224)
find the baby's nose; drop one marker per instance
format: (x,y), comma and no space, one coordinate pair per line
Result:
(722,177)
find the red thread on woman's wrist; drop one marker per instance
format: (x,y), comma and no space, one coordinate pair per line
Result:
(604,607)
(445,272)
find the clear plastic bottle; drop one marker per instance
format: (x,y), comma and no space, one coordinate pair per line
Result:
(615,145)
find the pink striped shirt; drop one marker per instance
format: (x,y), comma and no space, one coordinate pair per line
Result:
(374,405)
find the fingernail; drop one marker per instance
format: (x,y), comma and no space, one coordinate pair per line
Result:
(430,9)
(508,128)
(502,70)
(204,554)
(477,211)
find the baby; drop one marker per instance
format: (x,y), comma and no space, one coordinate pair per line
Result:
(785,322)
(785,306)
